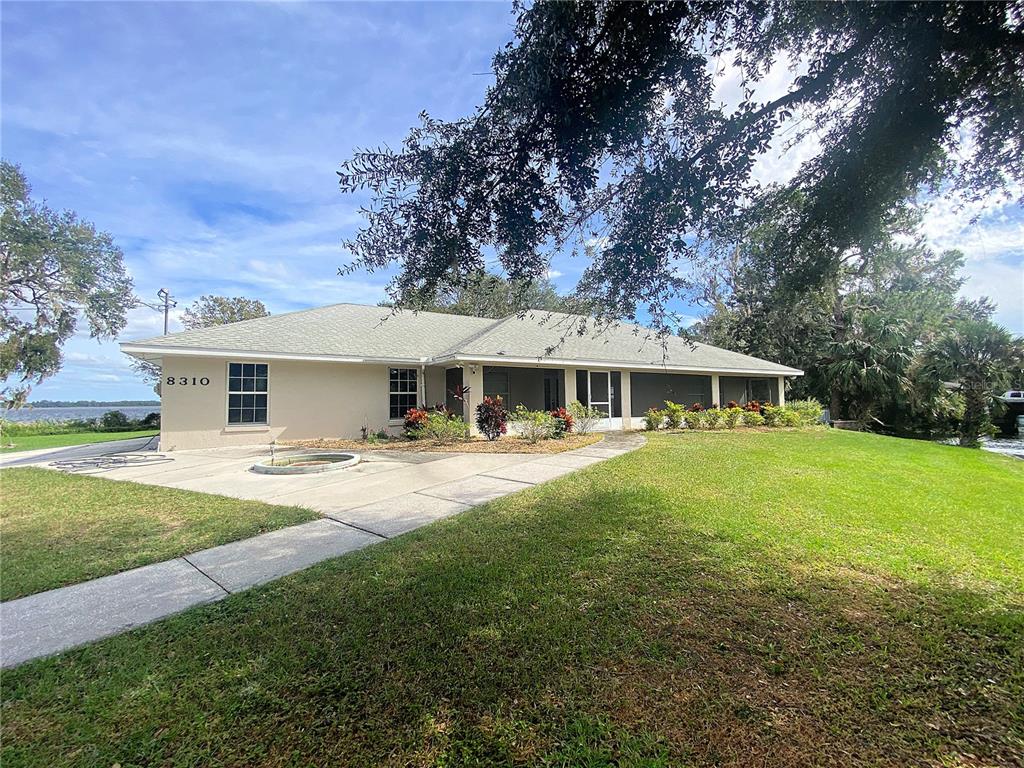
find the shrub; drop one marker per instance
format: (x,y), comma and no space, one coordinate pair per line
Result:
(674,414)
(584,418)
(696,407)
(791,418)
(810,411)
(415,420)
(772,415)
(732,404)
(732,416)
(492,418)
(753,418)
(714,418)
(754,406)
(653,419)
(563,422)
(443,428)
(695,419)
(533,425)
(115,420)
(150,421)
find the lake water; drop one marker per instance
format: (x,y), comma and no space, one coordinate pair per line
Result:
(91,412)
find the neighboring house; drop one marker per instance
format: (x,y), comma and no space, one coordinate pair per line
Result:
(329,372)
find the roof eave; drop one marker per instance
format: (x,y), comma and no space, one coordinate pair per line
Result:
(146,351)
(581,363)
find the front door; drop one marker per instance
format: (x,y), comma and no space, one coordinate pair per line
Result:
(600,394)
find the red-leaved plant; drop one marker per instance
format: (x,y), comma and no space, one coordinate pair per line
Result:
(563,421)
(492,418)
(414,419)
(696,407)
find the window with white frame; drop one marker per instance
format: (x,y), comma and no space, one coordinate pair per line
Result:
(402,391)
(247,393)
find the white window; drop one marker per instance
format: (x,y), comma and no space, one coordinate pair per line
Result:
(402,391)
(247,393)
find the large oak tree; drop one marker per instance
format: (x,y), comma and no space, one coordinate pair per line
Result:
(602,134)
(57,272)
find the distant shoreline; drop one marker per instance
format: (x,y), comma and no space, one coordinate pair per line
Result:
(90,403)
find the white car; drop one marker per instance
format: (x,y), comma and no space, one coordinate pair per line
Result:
(1013,396)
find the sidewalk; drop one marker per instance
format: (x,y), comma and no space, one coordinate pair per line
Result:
(51,622)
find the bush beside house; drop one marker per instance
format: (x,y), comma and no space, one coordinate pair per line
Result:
(799,413)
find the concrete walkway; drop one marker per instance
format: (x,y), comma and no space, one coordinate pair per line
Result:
(358,511)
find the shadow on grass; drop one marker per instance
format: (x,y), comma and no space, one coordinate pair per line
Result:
(576,624)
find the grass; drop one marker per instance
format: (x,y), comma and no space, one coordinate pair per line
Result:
(14,443)
(60,529)
(778,599)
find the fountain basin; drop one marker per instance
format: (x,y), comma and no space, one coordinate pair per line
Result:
(305,463)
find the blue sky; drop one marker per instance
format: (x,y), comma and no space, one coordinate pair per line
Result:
(205,138)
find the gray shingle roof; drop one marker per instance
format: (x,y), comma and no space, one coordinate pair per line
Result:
(366,332)
(572,337)
(339,330)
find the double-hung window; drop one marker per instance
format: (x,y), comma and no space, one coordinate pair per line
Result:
(247,393)
(402,390)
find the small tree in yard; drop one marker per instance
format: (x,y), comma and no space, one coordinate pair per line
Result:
(492,418)
(979,358)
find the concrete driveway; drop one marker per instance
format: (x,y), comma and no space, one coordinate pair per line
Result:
(386,494)
(44,456)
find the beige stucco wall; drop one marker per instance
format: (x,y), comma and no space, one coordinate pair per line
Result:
(307,400)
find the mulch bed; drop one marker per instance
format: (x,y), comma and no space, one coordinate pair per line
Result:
(501,445)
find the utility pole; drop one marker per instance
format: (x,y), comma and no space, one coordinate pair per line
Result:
(167,302)
(165,297)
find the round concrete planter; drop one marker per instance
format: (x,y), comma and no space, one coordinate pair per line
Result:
(306,463)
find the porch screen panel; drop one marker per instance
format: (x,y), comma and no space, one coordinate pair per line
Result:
(616,394)
(651,390)
(733,388)
(496,383)
(581,387)
(452,380)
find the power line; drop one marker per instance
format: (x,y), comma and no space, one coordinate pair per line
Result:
(167,302)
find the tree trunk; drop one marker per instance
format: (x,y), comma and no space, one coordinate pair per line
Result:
(973,421)
(838,337)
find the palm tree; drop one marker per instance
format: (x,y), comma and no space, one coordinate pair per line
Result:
(868,366)
(979,358)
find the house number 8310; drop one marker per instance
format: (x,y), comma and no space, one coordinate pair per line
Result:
(184,381)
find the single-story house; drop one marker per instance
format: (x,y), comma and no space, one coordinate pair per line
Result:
(332,371)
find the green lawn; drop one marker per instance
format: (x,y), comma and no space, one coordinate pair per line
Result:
(31,442)
(770,599)
(58,529)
